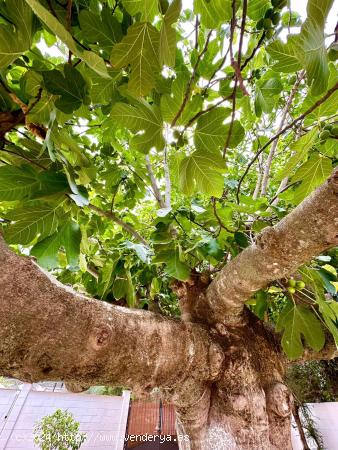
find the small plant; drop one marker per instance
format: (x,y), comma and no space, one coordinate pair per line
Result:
(58,431)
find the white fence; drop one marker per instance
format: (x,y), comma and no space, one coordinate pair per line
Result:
(103,418)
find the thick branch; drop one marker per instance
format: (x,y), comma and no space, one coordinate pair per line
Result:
(308,230)
(49,332)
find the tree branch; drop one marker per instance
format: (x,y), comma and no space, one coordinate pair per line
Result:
(192,79)
(153,182)
(114,218)
(273,148)
(167,179)
(246,62)
(50,332)
(308,230)
(288,127)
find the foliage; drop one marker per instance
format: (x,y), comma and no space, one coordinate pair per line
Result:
(125,170)
(314,381)
(58,431)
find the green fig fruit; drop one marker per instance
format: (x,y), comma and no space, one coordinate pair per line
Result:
(300,285)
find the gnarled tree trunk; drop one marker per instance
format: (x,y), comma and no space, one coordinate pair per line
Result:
(221,367)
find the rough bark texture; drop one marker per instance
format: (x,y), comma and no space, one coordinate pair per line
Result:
(50,332)
(225,379)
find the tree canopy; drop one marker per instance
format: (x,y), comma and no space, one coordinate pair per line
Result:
(161,140)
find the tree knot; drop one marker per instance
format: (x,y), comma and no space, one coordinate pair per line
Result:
(100,337)
(279,400)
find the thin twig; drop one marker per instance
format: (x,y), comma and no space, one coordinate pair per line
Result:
(272,152)
(237,66)
(192,79)
(14,97)
(69,25)
(167,200)
(246,62)
(233,112)
(26,158)
(204,111)
(280,191)
(36,100)
(196,31)
(288,127)
(218,68)
(114,218)
(232,30)
(220,223)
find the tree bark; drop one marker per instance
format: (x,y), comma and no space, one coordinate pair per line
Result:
(228,390)
(50,332)
(225,380)
(308,230)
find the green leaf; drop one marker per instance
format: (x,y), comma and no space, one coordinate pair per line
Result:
(123,288)
(16,183)
(201,172)
(71,87)
(213,12)
(120,287)
(104,30)
(312,173)
(102,90)
(210,133)
(328,309)
(300,150)
(257,8)
(148,9)
(143,119)
(139,49)
(41,111)
(91,59)
(298,321)
(139,249)
(30,222)
(286,54)
(176,268)
(16,39)
(327,108)
(106,277)
(265,95)
(168,34)
(46,251)
(312,51)
(71,240)
(237,133)
(170,103)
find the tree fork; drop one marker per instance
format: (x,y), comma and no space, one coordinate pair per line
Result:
(307,231)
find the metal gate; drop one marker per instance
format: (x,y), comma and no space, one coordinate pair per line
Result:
(151,426)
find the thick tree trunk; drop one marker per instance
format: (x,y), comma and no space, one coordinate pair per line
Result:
(227,389)
(223,373)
